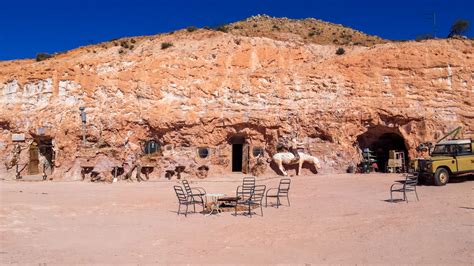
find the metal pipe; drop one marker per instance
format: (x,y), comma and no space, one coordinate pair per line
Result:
(83,119)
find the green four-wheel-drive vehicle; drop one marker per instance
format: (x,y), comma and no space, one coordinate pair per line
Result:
(448,158)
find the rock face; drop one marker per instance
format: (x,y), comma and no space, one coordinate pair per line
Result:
(308,30)
(215,100)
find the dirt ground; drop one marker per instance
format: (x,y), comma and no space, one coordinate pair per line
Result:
(333,218)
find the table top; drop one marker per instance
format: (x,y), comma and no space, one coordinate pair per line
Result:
(229,199)
(215,194)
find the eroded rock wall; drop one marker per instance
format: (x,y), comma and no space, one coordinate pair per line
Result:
(211,86)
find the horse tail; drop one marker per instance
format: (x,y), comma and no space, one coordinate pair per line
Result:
(316,161)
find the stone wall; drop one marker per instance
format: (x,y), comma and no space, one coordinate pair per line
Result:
(208,87)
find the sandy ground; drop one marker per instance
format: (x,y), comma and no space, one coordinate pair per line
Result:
(332,219)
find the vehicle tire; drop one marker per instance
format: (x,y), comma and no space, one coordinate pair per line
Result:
(441,177)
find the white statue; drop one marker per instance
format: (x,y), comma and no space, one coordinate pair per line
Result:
(289,158)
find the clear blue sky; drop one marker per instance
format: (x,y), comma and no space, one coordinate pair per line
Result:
(28,27)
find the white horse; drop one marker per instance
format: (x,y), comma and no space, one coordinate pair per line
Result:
(288,158)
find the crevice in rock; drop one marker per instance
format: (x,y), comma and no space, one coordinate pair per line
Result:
(5,125)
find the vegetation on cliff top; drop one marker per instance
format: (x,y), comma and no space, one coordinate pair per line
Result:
(308,30)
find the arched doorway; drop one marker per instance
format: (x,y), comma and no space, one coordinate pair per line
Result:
(381,140)
(41,156)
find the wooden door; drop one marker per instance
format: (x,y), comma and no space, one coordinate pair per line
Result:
(246,158)
(33,160)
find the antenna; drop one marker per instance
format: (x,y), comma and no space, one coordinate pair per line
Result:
(432,17)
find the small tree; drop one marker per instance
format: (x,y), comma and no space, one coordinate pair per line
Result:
(191,28)
(222,28)
(165,45)
(124,44)
(459,27)
(424,37)
(340,51)
(42,56)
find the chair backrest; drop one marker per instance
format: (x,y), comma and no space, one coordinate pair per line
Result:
(247,188)
(180,193)
(187,187)
(411,179)
(284,187)
(248,182)
(258,193)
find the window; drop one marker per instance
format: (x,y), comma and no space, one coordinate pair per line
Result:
(442,149)
(257,151)
(203,152)
(151,146)
(464,148)
(452,149)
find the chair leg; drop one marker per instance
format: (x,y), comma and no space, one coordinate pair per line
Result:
(278,201)
(250,211)
(288,199)
(261,209)
(266,197)
(194,206)
(391,197)
(417,199)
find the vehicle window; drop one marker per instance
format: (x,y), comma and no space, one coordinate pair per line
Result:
(464,148)
(442,149)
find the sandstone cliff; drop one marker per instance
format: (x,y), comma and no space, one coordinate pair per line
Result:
(210,86)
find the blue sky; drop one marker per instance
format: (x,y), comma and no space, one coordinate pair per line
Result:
(28,27)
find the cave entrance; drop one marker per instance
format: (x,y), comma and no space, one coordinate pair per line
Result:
(240,154)
(41,147)
(381,140)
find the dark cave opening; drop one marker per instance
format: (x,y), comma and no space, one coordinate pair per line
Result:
(381,140)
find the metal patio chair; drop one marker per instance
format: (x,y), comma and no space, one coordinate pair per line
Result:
(403,186)
(196,193)
(246,189)
(255,199)
(184,199)
(281,192)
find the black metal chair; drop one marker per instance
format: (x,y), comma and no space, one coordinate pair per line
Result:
(196,193)
(184,199)
(255,199)
(281,192)
(404,186)
(246,189)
